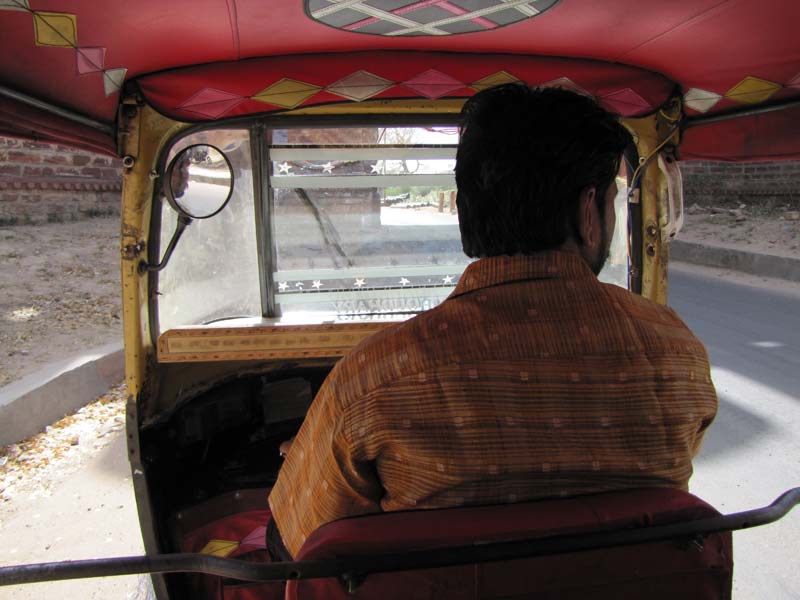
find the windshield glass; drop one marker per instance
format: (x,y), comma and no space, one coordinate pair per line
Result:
(359,222)
(364,219)
(213,273)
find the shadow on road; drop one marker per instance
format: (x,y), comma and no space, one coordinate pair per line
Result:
(753,332)
(735,429)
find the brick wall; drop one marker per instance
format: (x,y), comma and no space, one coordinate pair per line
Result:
(51,183)
(767,184)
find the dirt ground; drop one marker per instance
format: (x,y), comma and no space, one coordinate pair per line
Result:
(770,230)
(61,292)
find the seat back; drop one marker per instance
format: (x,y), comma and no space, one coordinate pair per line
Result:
(667,569)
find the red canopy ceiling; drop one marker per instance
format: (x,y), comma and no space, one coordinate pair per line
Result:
(722,54)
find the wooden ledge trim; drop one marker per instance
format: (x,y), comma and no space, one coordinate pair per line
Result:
(263,342)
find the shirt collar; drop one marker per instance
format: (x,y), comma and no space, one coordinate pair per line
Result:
(497,270)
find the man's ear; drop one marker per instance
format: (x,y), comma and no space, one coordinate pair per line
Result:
(588,217)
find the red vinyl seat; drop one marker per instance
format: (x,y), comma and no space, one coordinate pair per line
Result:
(668,569)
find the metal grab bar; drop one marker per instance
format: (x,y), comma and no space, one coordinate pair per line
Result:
(356,567)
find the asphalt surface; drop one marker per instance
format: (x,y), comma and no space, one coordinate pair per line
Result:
(90,514)
(751,454)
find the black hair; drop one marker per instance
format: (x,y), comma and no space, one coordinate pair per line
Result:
(524,157)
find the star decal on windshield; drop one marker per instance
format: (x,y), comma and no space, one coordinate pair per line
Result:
(447,280)
(359,282)
(317,284)
(284,168)
(404,282)
(376,168)
(282,286)
(327,167)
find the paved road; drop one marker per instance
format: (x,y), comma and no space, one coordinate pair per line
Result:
(90,514)
(752,452)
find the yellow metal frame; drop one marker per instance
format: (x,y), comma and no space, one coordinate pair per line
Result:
(144,133)
(654,134)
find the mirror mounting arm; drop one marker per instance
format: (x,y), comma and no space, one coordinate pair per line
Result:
(183,223)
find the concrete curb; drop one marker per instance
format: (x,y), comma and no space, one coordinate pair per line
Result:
(35,401)
(763,265)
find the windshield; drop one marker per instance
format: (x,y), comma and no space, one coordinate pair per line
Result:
(364,219)
(359,223)
(213,272)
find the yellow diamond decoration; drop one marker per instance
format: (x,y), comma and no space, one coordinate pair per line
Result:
(752,90)
(498,78)
(55,29)
(221,548)
(287,93)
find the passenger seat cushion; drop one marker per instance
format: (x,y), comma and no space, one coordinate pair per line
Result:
(671,569)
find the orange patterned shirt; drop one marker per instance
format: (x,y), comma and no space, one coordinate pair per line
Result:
(532,380)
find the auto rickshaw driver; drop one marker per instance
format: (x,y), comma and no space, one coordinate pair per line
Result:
(533,379)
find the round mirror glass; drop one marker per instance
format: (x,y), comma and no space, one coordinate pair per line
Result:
(200,181)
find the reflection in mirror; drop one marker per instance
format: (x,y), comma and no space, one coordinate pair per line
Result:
(200,181)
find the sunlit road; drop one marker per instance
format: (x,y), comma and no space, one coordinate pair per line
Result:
(752,451)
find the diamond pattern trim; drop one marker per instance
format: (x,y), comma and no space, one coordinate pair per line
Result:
(221,548)
(20,5)
(256,538)
(113,80)
(498,78)
(359,86)
(433,84)
(626,102)
(752,90)
(55,29)
(701,100)
(287,93)
(90,60)
(565,83)
(61,30)
(211,103)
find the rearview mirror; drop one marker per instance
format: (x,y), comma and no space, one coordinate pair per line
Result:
(199,181)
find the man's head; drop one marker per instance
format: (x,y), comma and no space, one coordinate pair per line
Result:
(535,171)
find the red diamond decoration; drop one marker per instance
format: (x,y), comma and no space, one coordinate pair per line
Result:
(433,84)
(211,103)
(256,538)
(626,102)
(565,83)
(90,60)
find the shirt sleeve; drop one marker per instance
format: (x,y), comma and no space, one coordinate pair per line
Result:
(323,478)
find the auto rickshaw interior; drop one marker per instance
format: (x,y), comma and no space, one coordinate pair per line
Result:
(288,191)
